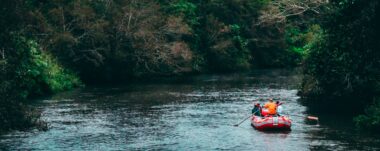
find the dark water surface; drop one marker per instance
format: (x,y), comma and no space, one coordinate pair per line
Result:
(195,113)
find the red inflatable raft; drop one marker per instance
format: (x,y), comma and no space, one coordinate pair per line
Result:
(271,123)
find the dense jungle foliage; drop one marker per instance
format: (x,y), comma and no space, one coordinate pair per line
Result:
(342,70)
(48,46)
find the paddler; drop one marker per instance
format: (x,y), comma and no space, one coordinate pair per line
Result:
(279,107)
(269,108)
(256,109)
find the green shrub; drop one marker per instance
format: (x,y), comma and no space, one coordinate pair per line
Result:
(38,72)
(187,9)
(230,53)
(239,41)
(371,119)
(301,41)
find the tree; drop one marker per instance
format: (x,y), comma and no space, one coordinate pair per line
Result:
(343,67)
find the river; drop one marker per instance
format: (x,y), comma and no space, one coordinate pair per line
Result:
(193,113)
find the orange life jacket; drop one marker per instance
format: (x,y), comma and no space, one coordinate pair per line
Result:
(272,107)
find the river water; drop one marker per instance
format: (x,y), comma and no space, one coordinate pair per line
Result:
(194,113)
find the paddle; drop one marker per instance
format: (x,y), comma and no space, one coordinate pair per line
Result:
(308,117)
(242,121)
(245,119)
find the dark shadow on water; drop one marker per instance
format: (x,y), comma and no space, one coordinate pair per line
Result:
(340,130)
(274,131)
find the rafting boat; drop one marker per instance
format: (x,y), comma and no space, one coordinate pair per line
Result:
(271,122)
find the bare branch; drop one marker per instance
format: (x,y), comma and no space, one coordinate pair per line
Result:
(279,10)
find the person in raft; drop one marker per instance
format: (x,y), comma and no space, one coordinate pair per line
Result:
(269,108)
(279,107)
(256,110)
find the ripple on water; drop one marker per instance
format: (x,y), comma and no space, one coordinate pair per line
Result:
(186,116)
